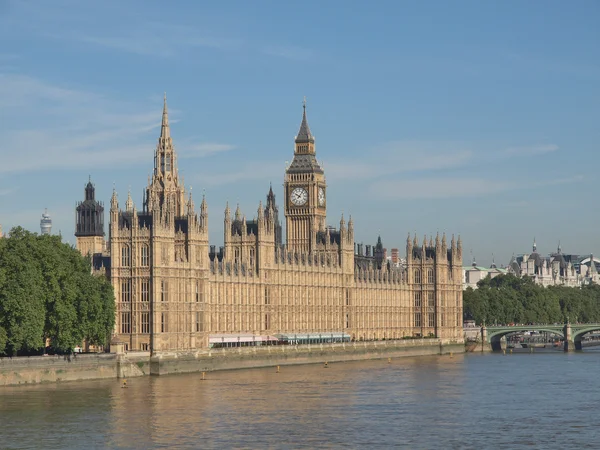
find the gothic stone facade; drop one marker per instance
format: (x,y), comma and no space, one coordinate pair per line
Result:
(173,290)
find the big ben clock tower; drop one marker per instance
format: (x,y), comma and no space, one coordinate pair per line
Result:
(305,193)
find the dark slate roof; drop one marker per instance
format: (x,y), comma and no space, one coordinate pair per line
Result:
(251,226)
(334,237)
(303,163)
(304,132)
(537,258)
(560,259)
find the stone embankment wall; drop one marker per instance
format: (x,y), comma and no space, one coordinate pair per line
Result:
(43,369)
(252,357)
(47,369)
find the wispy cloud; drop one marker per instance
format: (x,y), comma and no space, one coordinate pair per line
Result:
(455,187)
(164,40)
(7,191)
(76,129)
(402,157)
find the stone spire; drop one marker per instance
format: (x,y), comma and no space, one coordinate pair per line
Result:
(129,202)
(165,131)
(304,135)
(534,246)
(227,212)
(260,211)
(190,204)
(114,200)
(203,206)
(238,213)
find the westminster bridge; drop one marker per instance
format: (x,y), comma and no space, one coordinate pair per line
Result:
(571,334)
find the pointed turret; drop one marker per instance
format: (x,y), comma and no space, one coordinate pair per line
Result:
(114,200)
(190,204)
(350,231)
(304,135)
(129,202)
(238,213)
(203,206)
(227,211)
(444,244)
(260,212)
(415,241)
(165,131)
(437,241)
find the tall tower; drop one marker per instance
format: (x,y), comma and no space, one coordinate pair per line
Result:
(165,188)
(305,193)
(46,223)
(89,223)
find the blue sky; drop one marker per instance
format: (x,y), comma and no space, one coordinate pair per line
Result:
(478,118)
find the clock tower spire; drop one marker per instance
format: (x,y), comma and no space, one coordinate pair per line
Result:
(305,189)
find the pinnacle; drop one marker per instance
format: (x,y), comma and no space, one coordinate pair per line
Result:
(304,134)
(165,132)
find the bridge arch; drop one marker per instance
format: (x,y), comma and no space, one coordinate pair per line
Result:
(578,333)
(494,336)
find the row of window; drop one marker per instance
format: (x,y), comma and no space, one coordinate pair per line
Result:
(126,256)
(126,326)
(430,278)
(430,319)
(164,291)
(430,299)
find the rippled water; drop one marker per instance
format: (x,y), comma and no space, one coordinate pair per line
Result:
(541,400)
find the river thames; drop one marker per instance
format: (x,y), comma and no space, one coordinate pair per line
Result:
(540,400)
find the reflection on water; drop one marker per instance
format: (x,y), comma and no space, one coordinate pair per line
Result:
(465,401)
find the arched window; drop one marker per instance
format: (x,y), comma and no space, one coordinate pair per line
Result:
(417,276)
(145,256)
(430,276)
(164,291)
(125,256)
(417,299)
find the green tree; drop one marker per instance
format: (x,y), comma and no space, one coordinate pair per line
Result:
(506,298)
(47,291)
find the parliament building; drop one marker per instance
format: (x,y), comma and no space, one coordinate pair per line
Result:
(176,292)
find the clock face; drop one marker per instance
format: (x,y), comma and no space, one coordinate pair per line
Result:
(299,196)
(321,196)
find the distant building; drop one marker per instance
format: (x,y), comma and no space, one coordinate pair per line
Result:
(46,223)
(473,274)
(556,269)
